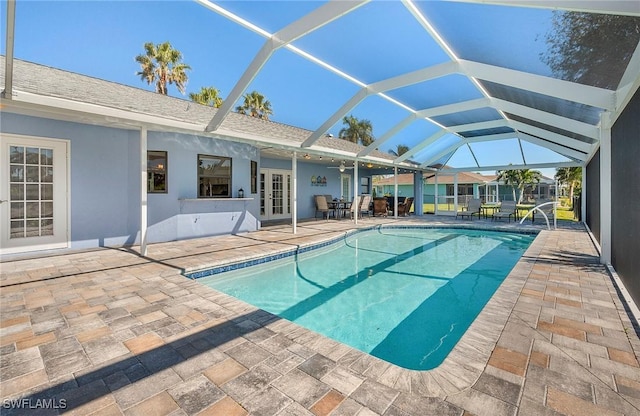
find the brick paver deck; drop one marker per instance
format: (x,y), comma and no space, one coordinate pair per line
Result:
(109,332)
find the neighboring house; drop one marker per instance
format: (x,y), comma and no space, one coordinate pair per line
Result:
(470,185)
(81,152)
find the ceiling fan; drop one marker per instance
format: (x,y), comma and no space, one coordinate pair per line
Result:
(341,168)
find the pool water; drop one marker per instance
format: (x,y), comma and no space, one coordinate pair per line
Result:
(404,295)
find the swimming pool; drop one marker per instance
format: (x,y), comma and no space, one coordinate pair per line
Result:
(403,295)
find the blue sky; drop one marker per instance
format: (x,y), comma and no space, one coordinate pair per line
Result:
(379,40)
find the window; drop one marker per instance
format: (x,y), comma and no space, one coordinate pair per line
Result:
(156,172)
(463,189)
(365,185)
(254,177)
(214,176)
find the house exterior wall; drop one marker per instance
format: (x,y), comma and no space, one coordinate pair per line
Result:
(104,184)
(625,215)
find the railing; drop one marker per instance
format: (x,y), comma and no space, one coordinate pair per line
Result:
(537,207)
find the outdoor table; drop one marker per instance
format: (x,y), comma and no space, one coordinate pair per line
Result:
(486,208)
(340,207)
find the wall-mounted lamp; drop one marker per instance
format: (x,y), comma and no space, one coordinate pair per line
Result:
(240,193)
(341,168)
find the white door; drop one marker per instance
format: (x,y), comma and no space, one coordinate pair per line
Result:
(34,194)
(275,201)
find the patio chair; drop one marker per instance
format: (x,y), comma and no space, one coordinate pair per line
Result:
(507,210)
(473,208)
(354,209)
(547,209)
(364,205)
(380,206)
(322,206)
(405,207)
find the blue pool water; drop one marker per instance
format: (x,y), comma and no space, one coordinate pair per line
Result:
(403,295)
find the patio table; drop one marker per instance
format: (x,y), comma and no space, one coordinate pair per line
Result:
(486,208)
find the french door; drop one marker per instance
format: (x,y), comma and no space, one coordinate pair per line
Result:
(34,202)
(275,191)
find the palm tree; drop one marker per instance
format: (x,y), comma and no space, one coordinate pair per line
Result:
(207,96)
(255,105)
(161,64)
(400,150)
(570,176)
(518,179)
(356,131)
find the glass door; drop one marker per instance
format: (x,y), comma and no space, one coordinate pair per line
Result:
(33,194)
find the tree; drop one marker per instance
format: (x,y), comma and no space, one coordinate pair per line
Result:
(207,96)
(161,64)
(582,47)
(571,177)
(519,179)
(356,131)
(400,150)
(255,105)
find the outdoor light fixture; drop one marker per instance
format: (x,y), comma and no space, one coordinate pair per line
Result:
(341,168)
(307,156)
(369,165)
(240,193)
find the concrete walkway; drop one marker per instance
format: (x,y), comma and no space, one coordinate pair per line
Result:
(108,332)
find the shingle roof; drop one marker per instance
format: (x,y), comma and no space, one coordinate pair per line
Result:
(52,82)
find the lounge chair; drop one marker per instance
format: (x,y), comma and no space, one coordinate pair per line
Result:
(473,208)
(405,207)
(507,210)
(322,206)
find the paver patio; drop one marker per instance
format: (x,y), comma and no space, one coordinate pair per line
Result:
(109,332)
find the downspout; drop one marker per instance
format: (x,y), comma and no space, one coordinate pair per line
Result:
(8,62)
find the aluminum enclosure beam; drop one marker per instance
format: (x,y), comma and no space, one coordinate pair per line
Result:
(387,135)
(507,167)
(422,145)
(335,117)
(550,119)
(566,90)
(564,151)
(306,24)
(551,136)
